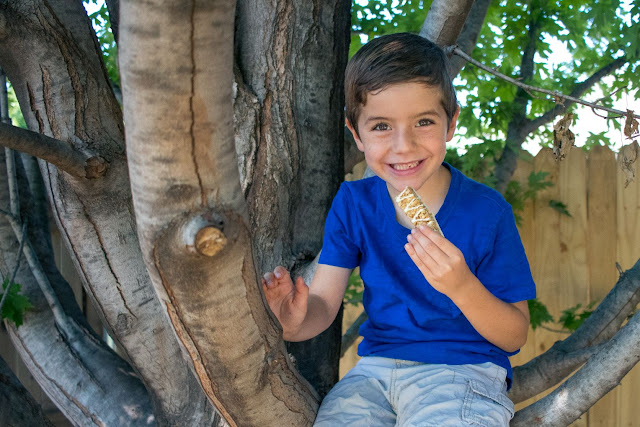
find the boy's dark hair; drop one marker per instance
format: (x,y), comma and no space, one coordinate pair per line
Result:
(396,58)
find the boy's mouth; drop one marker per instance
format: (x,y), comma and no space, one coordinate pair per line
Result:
(405,166)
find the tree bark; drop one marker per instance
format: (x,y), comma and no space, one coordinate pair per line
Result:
(469,35)
(551,367)
(191,213)
(52,59)
(79,372)
(291,56)
(600,375)
(58,153)
(445,20)
(17,407)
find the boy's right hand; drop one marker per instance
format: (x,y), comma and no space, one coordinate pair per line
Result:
(288,301)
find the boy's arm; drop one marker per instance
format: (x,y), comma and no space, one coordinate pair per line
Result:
(443,265)
(303,311)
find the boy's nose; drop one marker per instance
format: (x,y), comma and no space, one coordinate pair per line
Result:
(403,141)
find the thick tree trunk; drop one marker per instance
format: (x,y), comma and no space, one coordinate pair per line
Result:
(51,57)
(291,58)
(191,212)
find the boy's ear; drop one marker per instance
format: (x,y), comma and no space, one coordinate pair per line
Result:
(452,124)
(356,138)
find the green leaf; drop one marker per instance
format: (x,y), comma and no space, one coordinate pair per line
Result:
(559,206)
(538,313)
(573,317)
(15,304)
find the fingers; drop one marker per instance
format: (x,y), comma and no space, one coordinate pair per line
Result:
(426,245)
(280,275)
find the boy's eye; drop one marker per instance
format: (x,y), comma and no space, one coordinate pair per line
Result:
(424,122)
(380,126)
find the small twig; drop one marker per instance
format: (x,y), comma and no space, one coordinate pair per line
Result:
(558,331)
(15,270)
(457,51)
(14,200)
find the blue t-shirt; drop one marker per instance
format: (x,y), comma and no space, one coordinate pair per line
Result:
(408,318)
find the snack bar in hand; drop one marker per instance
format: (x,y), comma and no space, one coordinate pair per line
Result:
(416,210)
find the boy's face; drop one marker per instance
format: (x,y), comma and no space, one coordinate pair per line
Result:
(403,130)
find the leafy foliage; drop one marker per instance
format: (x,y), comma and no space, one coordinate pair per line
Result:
(593,34)
(355,287)
(15,304)
(517,195)
(538,313)
(102,26)
(573,317)
(14,109)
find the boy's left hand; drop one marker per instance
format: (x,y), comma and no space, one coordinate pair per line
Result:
(439,260)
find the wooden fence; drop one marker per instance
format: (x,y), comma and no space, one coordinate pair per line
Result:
(573,258)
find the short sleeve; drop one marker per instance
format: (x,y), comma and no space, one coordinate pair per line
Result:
(338,246)
(505,270)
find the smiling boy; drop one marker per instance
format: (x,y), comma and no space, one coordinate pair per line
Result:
(445,313)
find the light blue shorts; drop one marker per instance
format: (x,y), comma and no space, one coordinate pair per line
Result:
(387,392)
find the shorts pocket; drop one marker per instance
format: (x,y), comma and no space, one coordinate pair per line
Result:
(486,407)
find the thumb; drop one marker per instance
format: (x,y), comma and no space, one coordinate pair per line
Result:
(301,290)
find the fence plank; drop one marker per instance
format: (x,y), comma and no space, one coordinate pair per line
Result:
(526,227)
(602,252)
(546,270)
(628,247)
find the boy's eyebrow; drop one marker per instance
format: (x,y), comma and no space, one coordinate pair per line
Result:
(421,114)
(427,113)
(375,119)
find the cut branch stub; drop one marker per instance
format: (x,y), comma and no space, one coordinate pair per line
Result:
(210,241)
(95,167)
(204,234)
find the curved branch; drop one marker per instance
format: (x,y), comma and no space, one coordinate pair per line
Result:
(599,375)
(56,152)
(565,356)
(67,360)
(457,51)
(573,97)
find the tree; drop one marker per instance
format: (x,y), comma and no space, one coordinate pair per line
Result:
(229,162)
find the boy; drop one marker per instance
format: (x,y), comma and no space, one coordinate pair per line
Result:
(445,313)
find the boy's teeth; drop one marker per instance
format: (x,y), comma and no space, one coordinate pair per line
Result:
(405,166)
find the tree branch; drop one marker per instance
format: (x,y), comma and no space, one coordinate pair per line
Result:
(577,91)
(457,51)
(565,356)
(352,333)
(599,375)
(15,270)
(56,152)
